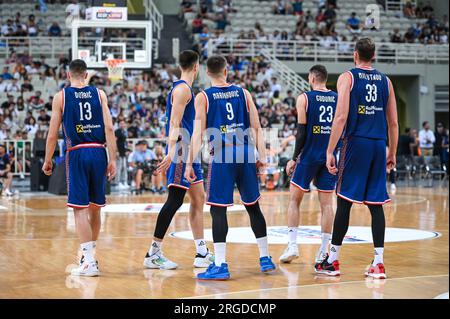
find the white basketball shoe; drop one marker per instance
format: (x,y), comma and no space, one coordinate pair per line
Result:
(290,254)
(86,269)
(158,261)
(203,261)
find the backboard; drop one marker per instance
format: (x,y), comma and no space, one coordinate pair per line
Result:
(96,41)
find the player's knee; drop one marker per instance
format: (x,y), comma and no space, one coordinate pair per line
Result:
(326,208)
(376,210)
(254,210)
(296,196)
(197,202)
(9,175)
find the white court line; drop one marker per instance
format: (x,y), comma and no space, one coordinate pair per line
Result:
(304,286)
(442,296)
(76,238)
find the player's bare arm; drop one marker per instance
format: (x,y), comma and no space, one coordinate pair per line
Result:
(301,132)
(181,96)
(342,108)
(197,135)
(256,129)
(110,137)
(52,137)
(392,121)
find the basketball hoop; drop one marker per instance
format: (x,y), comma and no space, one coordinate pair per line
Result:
(115,69)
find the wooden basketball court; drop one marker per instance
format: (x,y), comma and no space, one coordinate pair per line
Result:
(38,245)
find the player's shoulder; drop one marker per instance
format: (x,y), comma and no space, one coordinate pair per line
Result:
(59,94)
(347,76)
(181,86)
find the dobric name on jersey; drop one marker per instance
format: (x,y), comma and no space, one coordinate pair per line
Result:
(83,95)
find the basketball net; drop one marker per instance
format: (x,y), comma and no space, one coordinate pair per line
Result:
(115,69)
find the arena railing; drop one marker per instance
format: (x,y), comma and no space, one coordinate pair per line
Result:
(20,153)
(22,150)
(317,51)
(286,75)
(397,5)
(151,10)
(54,47)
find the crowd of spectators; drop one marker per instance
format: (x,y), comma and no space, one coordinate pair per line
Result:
(29,26)
(425,142)
(432,31)
(138,103)
(314,26)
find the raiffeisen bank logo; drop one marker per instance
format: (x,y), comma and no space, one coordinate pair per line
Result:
(372,16)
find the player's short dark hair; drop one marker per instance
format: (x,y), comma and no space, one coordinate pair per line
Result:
(320,72)
(366,49)
(425,123)
(78,67)
(216,64)
(407,130)
(188,59)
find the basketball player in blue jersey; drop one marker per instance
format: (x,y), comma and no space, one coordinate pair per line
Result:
(180,114)
(229,114)
(315,110)
(87,126)
(366,113)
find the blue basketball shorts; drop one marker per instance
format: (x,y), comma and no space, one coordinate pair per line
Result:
(362,171)
(305,173)
(221,180)
(175,175)
(86,177)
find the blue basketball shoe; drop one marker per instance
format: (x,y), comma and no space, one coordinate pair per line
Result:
(266,264)
(215,273)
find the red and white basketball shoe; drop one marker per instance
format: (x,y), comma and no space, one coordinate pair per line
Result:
(377,272)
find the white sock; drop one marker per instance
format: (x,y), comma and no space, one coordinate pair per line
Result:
(334,253)
(200,245)
(88,251)
(378,256)
(292,235)
(263,246)
(155,248)
(220,250)
(325,241)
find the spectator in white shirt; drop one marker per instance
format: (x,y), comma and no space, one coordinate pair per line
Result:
(13,86)
(426,139)
(275,86)
(164,72)
(73,12)
(8,28)
(3,132)
(32,127)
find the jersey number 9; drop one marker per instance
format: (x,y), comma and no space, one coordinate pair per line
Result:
(230,115)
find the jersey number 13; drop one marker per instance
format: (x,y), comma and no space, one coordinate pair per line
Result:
(85,111)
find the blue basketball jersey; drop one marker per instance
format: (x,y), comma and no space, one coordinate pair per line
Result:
(83,116)
(187,122)
(368,100)
(321,107)
(228,115)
